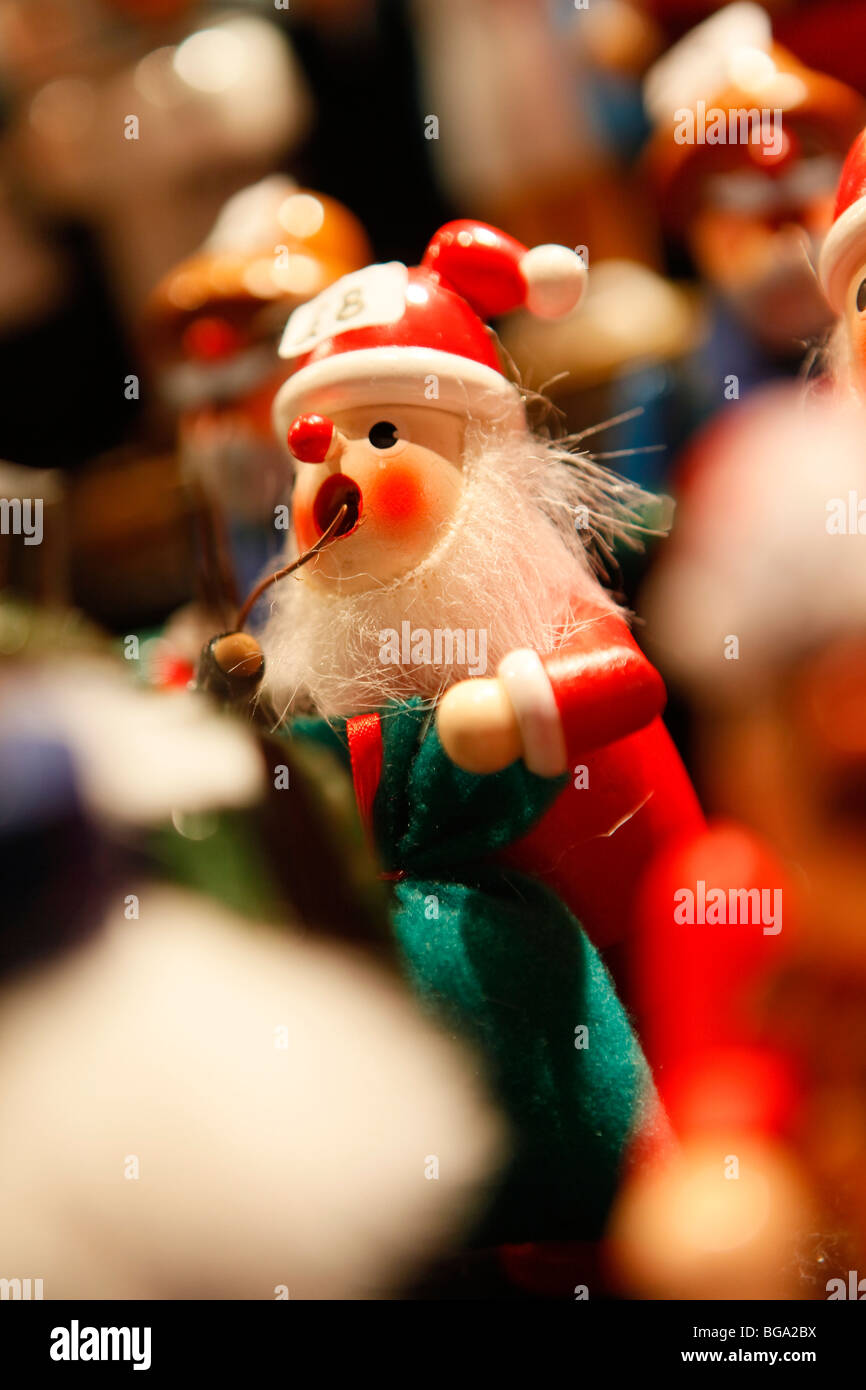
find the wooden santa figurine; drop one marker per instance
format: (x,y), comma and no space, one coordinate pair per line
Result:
(453,641)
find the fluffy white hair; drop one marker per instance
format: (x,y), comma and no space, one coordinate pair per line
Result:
(520,561)
(261,1165)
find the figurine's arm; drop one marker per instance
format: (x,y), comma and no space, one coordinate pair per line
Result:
(597,688)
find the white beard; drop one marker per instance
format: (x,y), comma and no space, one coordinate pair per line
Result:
(511,564)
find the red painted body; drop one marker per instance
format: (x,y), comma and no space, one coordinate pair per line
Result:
(700,987)
(594,844)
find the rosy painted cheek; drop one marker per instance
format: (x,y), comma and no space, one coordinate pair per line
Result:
(397,498)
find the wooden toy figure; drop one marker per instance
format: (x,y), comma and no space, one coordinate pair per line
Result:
(745,152)
(450,636)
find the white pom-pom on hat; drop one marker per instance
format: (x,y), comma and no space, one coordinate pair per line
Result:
(555,277)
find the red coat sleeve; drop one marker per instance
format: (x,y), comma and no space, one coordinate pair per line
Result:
(603,685)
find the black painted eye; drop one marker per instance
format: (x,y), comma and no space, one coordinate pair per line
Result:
(861,297)
(383,435)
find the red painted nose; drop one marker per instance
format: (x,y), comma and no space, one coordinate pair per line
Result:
(310,438)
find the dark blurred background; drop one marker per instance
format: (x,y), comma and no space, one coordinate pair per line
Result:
(64,355)
(125,125)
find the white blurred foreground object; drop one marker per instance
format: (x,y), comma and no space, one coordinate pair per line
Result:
(193,1107)
(140,757)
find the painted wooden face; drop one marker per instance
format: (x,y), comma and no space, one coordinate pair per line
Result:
(400,475)
(855,323)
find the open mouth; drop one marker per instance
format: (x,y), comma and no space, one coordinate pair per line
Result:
(339,491)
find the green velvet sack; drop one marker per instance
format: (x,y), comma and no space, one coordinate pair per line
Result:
(501,961)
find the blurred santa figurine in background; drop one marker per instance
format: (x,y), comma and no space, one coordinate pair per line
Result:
(212,331)
(754,1018)
(746,147)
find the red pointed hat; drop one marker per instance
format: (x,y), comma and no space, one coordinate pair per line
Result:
(844,247)
(389,334)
